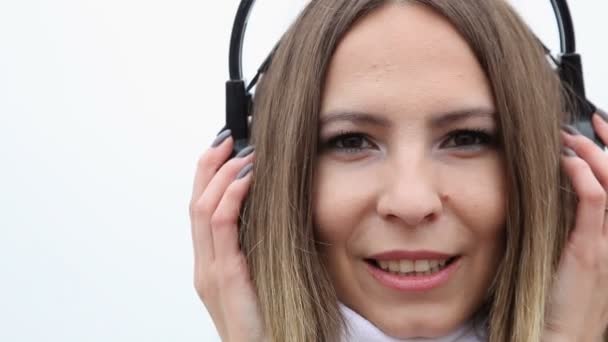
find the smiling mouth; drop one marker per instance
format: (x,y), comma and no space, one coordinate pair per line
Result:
(412,267)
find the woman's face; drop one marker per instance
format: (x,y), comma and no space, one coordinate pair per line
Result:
(417,172)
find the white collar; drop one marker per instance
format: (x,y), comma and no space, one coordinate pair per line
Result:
(362,330)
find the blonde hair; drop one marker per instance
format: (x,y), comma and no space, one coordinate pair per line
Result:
(297,299)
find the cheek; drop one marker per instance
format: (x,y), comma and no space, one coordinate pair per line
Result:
(339,202)
(479,196)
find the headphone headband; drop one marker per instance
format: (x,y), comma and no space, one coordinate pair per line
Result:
(560,9)
(238,96)
(564,25)
(237,38)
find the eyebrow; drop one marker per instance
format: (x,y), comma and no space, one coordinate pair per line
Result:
(437,120)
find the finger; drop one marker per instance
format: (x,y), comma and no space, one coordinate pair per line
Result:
(224,222)
(591,198)
(600,125)
(591,153)
(208,164)
(207,167)
(207,204)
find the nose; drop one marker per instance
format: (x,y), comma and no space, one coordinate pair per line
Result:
(410,193)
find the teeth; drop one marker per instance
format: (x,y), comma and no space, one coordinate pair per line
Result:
(393,266)
(383,264)
(411,267)
(406,266)
(421,265)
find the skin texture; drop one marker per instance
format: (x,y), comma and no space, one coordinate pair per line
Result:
(398,191)
(221,277)
(410,184)
(578,309)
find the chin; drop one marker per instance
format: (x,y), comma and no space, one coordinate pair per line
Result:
(412,327)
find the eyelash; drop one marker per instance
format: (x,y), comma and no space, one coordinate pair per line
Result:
(485,136)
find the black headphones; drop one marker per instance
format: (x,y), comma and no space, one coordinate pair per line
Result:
(568,64)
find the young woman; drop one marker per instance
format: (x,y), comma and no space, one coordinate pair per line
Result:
(410,181)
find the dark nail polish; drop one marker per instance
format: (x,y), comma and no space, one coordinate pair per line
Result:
(245,152)
(244,171)
(221,137)
(570,129)
(568,152)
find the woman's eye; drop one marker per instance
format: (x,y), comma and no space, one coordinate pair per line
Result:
(352,142)
(348,142)
(469,138)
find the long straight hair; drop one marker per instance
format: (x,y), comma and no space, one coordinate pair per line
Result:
(297,299)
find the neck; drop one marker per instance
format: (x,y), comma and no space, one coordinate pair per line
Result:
(360,329)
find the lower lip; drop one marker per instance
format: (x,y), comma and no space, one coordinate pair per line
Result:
(414,282)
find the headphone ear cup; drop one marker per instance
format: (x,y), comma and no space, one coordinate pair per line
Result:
(238,105)
(586,129)
(239,145)
(570,71)
(584,110)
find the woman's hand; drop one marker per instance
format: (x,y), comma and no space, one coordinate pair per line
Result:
(578,309)
(221,276)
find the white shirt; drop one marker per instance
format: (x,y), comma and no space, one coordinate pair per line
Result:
(362,330)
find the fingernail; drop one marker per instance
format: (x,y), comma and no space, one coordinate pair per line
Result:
(568,152)
(244,171)
(570,129)
(245,152)
(220,138)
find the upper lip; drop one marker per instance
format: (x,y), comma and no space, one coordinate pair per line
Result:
(411,255)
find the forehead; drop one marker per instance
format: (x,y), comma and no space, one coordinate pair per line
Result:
(404,57)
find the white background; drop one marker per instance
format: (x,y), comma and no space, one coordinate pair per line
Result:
(104,109)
